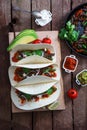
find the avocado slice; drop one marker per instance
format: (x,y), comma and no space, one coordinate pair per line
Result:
(26,31)
(23,37)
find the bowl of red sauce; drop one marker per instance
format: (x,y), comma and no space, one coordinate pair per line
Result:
(70,63)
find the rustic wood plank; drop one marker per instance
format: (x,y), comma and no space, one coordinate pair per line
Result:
(40,5)
(5,125)
(5,107)
(41,120)
(56,14)
(5,15)
(76,3)
(62,119)
(5,111)
(80,104)
(20,19)
(22,121)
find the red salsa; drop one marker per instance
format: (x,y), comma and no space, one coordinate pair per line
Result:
(70,63)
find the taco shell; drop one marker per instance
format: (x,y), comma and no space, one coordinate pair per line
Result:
(33,60)
(34,84)
(31,105)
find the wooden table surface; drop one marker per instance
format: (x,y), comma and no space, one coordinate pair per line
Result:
(74,117)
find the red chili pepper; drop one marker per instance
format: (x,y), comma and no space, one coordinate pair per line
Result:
(79,50)
(79,12)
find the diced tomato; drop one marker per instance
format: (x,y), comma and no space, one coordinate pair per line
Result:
(48,51)
(22,100)
(17,78)
(17,91)
(15,57)
(36,99)
(53,74)
(45,96)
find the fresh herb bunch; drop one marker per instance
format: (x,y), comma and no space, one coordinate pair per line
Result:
(69,33)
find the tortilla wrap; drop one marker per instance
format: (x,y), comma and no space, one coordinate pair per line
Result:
(38,82)
(36,60)
(31,105)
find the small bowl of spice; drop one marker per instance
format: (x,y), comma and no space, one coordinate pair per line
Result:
(70,63)
(81,78)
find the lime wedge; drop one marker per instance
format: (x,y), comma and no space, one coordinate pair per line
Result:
(53,106)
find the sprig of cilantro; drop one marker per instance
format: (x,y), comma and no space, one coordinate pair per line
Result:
(69,33)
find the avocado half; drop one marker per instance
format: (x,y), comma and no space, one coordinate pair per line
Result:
(23,37)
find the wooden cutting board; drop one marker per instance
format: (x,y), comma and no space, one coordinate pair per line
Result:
(56,44)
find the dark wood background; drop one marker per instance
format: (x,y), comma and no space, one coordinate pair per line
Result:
(74,117)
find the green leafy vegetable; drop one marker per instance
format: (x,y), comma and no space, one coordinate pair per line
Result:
(38,52)
(84,46)
(27,53)
(69,33)
(84,36)
(70,26)
(50,91)
(63,33)
(49,69)
(28,96)
(84,23)
(26,70)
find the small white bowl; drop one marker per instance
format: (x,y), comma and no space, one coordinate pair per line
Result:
(77,80)
(68,70)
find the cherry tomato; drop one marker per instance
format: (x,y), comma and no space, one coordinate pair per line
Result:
(46,40)
(36,41)
(72,93)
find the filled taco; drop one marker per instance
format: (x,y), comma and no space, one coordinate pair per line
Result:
(32,54)
(29,102)
(25,79)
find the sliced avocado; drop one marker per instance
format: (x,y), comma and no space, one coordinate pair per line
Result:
(23,37)
(27,31)
(22,40)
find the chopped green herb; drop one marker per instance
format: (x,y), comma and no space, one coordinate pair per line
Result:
(50,91)
(84,36)
(28,96)
(27,53)
(26,70)
(38,52)
(84,46)
(84,23)
(69,33)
